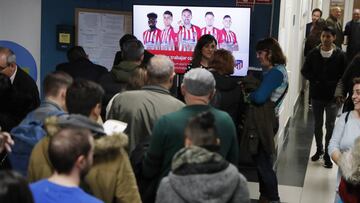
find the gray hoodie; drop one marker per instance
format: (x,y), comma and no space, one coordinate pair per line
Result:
(226,185)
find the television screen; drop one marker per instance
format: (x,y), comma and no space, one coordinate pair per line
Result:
(175,30)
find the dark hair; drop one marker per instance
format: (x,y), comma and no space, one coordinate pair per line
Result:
(317,10)
(14,188)
(226,16)
(203,41)
(330,30)
(201,129)
(168,13)
(54,81)
(152,15)
(132,50)
(66,146)
(272,46)
(125,38)
(209,13)
(186,9)
(75,53)
(313,39)
(82,96)
(356,80)
(223,62)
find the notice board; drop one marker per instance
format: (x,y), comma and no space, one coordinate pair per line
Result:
(99,31)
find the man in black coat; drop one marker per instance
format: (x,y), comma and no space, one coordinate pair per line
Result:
(315,16)
(23,95)
(79,66)
(323,67)
(118,57)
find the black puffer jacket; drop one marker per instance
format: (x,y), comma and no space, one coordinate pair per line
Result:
(324,73)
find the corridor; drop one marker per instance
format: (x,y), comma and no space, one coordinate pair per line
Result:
(300,179)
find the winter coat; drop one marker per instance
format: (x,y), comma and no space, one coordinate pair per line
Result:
(324,73)
(199,175)
(229,97)
(110,179)
(83,68)
(345,85)
(116,81)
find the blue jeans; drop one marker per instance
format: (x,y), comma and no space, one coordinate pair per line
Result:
(319,107)
(267,177)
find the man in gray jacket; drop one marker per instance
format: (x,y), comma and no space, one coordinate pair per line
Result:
(140,109)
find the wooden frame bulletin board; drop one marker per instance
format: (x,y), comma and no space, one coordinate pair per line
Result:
(99,31)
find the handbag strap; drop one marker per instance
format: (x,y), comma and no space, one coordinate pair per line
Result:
(282,95)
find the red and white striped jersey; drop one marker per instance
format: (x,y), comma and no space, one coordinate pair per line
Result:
(214,32)
(228,37)
(151,38)
(168,39)
(188,38)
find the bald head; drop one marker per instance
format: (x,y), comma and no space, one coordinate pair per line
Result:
(335,12)
(356,14)
(160,69)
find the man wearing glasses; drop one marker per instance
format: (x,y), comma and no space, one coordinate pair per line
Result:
(24,95)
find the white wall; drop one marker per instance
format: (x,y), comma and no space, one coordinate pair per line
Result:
(20,22)
(293,17)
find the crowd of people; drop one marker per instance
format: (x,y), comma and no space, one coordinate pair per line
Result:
(334,87)
(174,148)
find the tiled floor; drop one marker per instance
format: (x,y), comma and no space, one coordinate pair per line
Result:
(300,179)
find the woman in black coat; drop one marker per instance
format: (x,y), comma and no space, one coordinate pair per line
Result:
(229,95)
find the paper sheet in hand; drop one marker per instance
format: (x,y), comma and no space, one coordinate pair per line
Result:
(114,126)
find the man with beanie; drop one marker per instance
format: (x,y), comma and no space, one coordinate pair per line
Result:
(198,88)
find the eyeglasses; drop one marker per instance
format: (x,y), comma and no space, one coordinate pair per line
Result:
(3,67)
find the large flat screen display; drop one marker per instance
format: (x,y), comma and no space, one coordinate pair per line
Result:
(175,30)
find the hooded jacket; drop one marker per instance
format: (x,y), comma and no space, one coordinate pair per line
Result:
(110,179)
(116,81)
(123,71)
(199,175)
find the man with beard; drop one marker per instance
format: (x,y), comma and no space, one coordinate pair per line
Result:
(188,34)
(352,33)
(209,28)
(334,20)
(71,154)
(152,36)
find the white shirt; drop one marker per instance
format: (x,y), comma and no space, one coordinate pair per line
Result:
(326,54)
(12,78)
